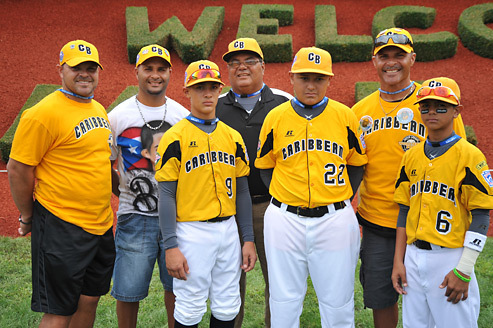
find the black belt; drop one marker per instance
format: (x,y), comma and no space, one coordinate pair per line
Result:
(257,199)
(421,244)
(218,219)
(315,212)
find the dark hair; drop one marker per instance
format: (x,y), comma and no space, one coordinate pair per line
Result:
(146,134)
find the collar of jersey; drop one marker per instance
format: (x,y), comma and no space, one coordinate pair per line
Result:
(299,103)
(201,121)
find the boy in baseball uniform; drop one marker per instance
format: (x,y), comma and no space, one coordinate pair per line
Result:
(444,189)
(202,169)
(305,149)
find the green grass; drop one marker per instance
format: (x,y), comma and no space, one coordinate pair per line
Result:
(15,295)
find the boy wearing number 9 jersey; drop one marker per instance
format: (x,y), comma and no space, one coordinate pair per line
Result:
(444,189)
(308,151)
(202,170)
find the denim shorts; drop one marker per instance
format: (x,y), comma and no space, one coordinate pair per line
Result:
(139,244)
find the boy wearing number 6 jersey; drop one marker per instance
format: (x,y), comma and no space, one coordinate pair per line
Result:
(202,172)
(307,152)
(445,191)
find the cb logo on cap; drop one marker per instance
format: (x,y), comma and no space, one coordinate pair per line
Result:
(85,49)
(204,66)
(239,44)
(435,84)
(314,58)
(158,50)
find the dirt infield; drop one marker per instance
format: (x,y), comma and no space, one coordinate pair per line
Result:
(33,33)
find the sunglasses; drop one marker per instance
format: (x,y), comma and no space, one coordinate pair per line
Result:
(248,63)
(203,73)
(396,38)
(440,91)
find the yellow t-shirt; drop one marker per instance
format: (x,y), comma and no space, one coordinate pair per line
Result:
(309,157)
(206,167)
(386,143)
(441,192)
(68,143)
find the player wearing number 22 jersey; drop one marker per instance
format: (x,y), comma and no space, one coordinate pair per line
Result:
(310,227)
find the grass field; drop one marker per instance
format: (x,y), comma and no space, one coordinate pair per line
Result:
(15,295)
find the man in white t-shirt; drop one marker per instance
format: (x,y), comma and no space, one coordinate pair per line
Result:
(137,125)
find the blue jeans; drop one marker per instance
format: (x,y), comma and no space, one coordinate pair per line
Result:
(139,244)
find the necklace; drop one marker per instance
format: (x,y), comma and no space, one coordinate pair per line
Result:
(74,94)
(237,95)
(322,102)
(396,92)
(201,121)
(142,115)
(398,104)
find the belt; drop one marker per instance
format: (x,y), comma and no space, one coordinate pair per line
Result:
(218,219)
(315,212)
(257,199)
(421,244)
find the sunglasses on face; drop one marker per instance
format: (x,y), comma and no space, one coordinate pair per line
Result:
(396,38)
(248,63)
(203,73)
(440,91)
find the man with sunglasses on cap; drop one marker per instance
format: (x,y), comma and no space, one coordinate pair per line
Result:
(445,193)
(203,194)
(138,239)
(244,108)
(391,124)
(307,150)
(61,156)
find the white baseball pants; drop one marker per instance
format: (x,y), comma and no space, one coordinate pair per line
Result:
(325,248)
(213,254)
(425,304)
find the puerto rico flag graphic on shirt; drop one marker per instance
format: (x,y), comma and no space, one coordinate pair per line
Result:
(131,148)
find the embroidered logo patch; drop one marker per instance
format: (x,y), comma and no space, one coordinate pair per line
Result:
(487,177)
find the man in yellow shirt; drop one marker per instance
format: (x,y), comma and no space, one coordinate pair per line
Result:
(61,157)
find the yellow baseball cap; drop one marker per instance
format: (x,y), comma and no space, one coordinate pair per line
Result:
(79,51)
(312,60)
(439,88)
(243,44)
(150,51)
(397,37)
(202,71)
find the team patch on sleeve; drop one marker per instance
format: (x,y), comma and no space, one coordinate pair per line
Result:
(362,139)
(487,177)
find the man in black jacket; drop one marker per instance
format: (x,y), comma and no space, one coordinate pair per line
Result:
(244,108)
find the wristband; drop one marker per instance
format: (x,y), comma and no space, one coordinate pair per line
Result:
(461,277)
(26,223)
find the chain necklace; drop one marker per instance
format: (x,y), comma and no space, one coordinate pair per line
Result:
(142,115)
(400,102)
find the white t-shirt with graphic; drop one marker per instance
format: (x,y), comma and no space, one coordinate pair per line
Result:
(134,148)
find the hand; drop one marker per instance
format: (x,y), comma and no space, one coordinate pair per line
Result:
(176,264)
(399,280)
(457,289)
(24,229)
(249,256)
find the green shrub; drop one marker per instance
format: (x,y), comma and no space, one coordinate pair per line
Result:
(474,33)
(349,48)
(127,93)
(262,22)
(171,34)
(39,92)
(428,47)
